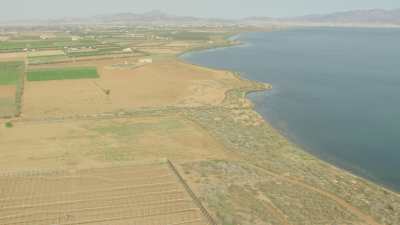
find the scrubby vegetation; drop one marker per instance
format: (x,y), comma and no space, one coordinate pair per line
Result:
(9,124)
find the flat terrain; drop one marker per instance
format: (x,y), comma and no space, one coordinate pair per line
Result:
(74,73)
(159,84)
(10,72)
(60,159)
(76,143)
(7,100)
(11,75)
(137,194)
(13,56)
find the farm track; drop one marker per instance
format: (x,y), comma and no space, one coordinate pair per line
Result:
(142,194)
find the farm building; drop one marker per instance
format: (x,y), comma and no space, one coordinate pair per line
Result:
(146,60)
(47,36)
(75,38)
(127,50)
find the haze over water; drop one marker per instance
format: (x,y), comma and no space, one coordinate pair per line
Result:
(336,92)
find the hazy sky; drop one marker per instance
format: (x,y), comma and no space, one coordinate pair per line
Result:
(43,9)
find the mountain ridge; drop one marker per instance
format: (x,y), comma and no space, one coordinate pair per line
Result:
(360,17)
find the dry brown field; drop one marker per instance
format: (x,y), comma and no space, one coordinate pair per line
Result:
(78,143)
(15,56)
(162,50)
(159,84)
(136,194)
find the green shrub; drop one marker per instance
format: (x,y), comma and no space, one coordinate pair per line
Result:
(9,124)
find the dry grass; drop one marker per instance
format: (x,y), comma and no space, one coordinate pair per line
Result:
(75,144)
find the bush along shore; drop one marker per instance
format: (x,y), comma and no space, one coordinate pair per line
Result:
(273,180)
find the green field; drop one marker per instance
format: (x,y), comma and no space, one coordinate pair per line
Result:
(57,43)
(48,59)
(10,72)
(62,74)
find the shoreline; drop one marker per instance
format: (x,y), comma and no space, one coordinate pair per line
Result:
(258,146)
(243,170)
(268,86)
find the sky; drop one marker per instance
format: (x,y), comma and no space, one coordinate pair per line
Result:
(48,9)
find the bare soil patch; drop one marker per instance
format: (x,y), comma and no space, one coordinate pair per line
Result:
(7,91)
(12,56)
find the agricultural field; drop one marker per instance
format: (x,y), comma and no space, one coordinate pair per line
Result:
(46,53)
(12,57)
(11,75)
(125,194)
(38,60)
(93,117)
(62,74)
(10,72)
(7,100)
(82,142)
(52,43)
(163,83)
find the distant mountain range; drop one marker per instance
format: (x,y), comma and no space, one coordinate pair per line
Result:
(369,17)
(373,17)
(152,17)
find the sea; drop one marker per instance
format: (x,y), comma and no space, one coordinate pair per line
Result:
(336,92)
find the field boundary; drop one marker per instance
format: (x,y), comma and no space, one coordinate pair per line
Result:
(209,219)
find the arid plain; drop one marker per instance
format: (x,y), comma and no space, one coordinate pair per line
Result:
(143,105)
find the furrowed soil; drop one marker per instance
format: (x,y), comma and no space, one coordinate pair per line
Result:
(129,194)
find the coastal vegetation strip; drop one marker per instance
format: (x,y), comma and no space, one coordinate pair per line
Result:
(63,74)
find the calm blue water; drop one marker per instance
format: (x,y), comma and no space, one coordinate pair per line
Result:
(336,92)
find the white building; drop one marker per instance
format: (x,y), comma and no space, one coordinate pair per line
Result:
(127,50)
(146,60)
(75,38)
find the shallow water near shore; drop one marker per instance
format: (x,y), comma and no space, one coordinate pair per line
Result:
(336,92)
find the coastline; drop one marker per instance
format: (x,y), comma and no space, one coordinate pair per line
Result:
(262,87)
(323,176)
(268,87)
(243,170)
